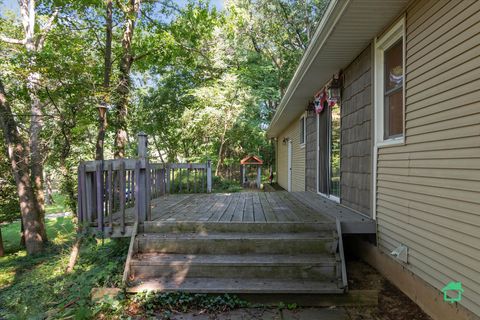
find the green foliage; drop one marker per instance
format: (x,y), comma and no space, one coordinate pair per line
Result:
(289,306)
(37,286)
(205,85)
(59,204)
(153,303)
(225,185)
(9,206)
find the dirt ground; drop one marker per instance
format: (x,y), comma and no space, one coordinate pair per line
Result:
(392,303)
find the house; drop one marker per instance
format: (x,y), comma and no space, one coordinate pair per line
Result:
(455,289)
(383,116)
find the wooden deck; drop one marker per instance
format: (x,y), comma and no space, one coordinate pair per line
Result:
(256,207)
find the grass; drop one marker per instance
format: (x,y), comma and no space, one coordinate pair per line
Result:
(37,287)
(58,205)
(59,230)
(55,230)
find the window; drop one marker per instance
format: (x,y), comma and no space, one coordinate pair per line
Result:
(302,130)
(389,86)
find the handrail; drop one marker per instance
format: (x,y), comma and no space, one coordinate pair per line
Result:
(131,251)
(342,255)
(115,193)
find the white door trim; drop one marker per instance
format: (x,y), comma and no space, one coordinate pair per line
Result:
(328,196)
(289,165)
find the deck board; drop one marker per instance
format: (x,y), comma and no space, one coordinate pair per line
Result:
(254,207)
(232,207)
(238,214)
(267,209)
(248,212)
(258,213)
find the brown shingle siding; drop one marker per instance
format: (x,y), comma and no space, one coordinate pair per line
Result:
(356,109)
(311,157)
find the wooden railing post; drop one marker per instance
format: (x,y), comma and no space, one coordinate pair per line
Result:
(143,182)
(109,189)
(89,197)
(209,176)
(100,195)
(259,176)
(122,200)
(81,201)
(167,178)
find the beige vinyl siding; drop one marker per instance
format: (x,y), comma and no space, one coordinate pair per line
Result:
(428,190)
(298,158)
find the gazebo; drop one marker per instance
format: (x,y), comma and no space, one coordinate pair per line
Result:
(251,161)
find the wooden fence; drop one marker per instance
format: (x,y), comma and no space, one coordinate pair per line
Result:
(117,193)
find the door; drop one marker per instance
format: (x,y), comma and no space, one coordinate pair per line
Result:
(289,166)
(328,159)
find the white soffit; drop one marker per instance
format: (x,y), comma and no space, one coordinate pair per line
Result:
(347,27)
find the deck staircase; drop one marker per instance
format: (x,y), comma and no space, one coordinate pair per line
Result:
(240,258)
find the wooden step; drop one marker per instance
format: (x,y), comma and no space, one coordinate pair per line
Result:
(243,227)
(174,266)
(236,243)
(236,285)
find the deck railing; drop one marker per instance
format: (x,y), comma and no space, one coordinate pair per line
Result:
(113,194)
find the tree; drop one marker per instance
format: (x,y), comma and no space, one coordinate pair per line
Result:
(273,36)
(26,154)
(8,200)
(130,11)
(18,154)
(102,118)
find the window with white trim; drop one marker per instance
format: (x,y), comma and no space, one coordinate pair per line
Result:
(390,86)
(302,130)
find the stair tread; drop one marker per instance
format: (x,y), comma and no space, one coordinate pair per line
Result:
(325,225)
(142,259)
(233,285)
(233,236)
(233,223)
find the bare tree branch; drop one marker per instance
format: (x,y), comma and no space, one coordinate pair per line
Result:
(12,41)
(46,30)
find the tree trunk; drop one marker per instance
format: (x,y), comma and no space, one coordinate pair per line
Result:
(34,45)
(68,184)
(124,84)
(26,157)
(159,150)
(102,119)
(102,127)
(48,190)
(2,250)
(36,154)
(19,160)
(22,233)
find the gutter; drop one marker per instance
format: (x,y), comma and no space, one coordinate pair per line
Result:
(329,20)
